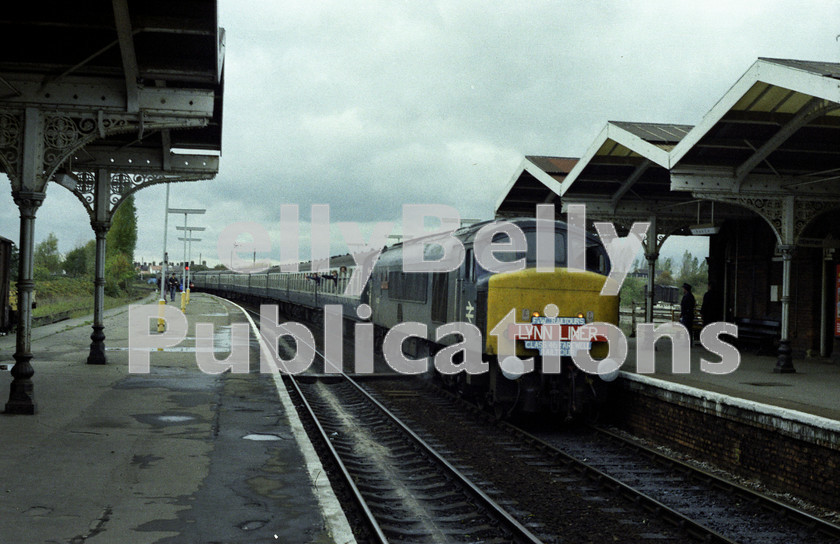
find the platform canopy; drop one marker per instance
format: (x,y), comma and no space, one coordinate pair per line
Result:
(536,180)
(782,118)
(121,83)
(625,171)
(104,97)
(771,144)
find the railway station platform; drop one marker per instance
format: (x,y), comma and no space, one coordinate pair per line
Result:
(172,456)
(813,389)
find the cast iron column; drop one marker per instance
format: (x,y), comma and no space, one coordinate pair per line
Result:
(97,345)
(651,254)
(784,364)
(21,396)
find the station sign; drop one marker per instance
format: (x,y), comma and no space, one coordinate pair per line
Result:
(827,243)
(705,229)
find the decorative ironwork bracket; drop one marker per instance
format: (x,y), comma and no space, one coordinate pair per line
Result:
(122,184)
(50,138)
(787,215)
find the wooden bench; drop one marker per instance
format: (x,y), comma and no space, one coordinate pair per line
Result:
(761,332)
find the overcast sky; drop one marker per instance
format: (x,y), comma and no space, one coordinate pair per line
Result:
(369,105)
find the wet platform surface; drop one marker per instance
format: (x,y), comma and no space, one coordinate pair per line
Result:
(175,455)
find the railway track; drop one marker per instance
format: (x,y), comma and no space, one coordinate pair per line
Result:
(693,503)
(743,515)
(403,488)
(407,489)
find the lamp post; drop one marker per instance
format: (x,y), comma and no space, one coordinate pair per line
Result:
(189,240)
(165,256)
(186,212)
(161,323)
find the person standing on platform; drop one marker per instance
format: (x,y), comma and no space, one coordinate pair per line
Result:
(173,285)
(687,309)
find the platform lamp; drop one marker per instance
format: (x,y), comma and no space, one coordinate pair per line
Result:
(161,327)
(187,212)
(188,238)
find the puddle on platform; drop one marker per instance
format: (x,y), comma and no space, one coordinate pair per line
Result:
(175,419)
(221,344)
(162,420)
(261,437)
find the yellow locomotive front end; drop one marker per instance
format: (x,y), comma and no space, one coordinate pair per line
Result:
(544,316)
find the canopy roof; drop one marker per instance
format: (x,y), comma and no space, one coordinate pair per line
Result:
(110,56)
(536,180)
(626,160)
(776,131)
(780,119)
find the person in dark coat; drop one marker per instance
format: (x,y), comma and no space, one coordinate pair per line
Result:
(687,308)
(711,308)
(172,285)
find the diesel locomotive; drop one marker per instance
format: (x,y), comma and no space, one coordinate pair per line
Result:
(558,298)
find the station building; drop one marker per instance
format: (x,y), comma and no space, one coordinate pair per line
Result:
(759,174)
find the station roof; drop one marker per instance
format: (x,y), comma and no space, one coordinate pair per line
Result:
(536,180)
(780,119)
(777,130)
(128,46)
(626,160)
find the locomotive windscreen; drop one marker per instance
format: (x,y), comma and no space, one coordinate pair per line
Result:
(596,256)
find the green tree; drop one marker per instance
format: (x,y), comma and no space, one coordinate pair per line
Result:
(90,258)
(632,291)
(122,237)
(47,259)
(119,248)
(81,260)
(640,263)
(119,271)
(665,272)
(75,262)
(694,272)
(15,263)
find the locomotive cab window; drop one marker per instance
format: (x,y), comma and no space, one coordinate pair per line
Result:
(596,257)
